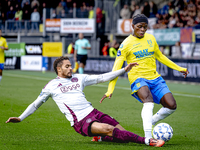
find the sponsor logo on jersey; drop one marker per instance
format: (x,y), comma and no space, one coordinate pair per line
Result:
(74,79)
(59,85)
(118,53)
(150,43)
(69,88)
(143,53)
(88,120)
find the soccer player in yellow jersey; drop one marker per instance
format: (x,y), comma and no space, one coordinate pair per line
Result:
(3,46)
(147,85)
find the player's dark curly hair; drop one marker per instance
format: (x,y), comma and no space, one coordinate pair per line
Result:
(58,62)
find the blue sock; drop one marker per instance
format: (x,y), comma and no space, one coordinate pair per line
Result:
(80,70)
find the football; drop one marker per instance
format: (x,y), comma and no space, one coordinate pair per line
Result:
(163,131)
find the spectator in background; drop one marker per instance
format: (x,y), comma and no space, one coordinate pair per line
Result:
(63,4)
(172,21)
(10,18)
(53,15)
(91,12)
(99,17)
(176,50)
(26,19)
(146,9)
(105,48)
(59,8)
(74,10)
(24,2)
(153,9)
(113,49)
(35,19)
(178,5)
(125,12)
(41,10)
(137,10)
(7,6)
(132,7)
(27,6)
(82,12)
(62,14)
(197,19)
(69,4)
(171,10)
(18,19)
(35,4)
(3,19)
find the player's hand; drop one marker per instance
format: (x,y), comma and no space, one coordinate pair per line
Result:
(130,66)
(185,73)
(13,120)
(105,97)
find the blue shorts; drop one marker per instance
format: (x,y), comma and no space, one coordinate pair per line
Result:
(1,66)
(158,88)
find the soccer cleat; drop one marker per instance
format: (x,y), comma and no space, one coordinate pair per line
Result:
(156,143)
(96,139)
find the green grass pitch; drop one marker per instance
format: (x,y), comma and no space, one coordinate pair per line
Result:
(48,129)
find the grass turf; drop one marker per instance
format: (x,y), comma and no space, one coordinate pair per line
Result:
(48,129)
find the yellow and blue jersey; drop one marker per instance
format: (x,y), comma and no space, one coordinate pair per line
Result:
(144,51)
(4,44)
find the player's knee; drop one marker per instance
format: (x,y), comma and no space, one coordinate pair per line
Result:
(109,129)
(172,106)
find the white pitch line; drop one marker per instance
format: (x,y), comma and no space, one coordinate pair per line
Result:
(99,85)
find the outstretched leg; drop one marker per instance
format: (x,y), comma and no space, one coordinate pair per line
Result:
(169,106)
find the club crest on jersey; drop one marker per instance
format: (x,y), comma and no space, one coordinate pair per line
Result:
(118,53)
(150,43)
(74,79)
(121,46)
(88,120)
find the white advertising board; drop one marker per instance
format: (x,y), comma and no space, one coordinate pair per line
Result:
(77,25)
(31,63)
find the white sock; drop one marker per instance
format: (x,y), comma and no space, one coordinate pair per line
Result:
(0,78)
(162,114)
(147,114)
(146,141)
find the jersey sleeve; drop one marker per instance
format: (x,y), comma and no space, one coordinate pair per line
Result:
(43,97)
(88,44)
(5,44)
(121,57)
(164,60)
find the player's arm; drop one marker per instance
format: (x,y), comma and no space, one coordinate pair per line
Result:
(5,46)
(30,109)
(88,46)
(164,60)
(117,65)
(95,79)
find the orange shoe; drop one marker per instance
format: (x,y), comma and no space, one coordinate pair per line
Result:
(96,139)
(156,143)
